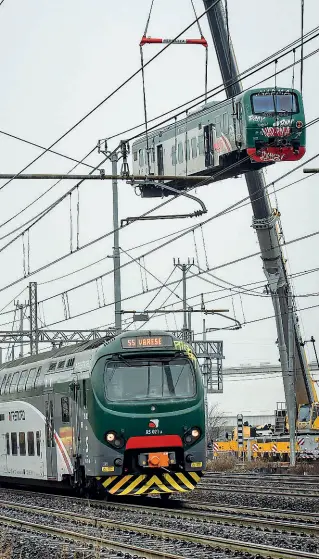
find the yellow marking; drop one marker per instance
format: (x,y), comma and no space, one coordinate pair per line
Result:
(108,468)
(108,480)
(98,478)
(174,484)
(184,479)
(155,491)
(119,484)
(195,476)
(134,483)
(196,464)
(146,486)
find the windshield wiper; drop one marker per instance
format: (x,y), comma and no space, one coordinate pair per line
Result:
(121,358)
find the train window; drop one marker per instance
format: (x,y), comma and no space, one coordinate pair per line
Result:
(180,152)
(218,127)
(22,444)
(174,158)
(6,388)
(141,157)
(65,409)
(61,364)
(38,441)
(84,394)
(38,381)
(3,383)
(225,123)
(1,416)
(274,103)
(187,151)
(135,155)
(201,144)
(8,443)
(14,444)
(30,438)
(52,366)
(31,378)
(194,147)
(149,378)
(14,382)
(70,362)
(22,379)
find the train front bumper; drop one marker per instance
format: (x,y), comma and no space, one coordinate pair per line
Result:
(150,484)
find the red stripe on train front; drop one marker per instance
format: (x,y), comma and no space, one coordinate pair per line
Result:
(154,441)
(275,154)
(63,452)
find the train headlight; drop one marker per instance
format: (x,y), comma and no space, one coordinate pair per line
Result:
(192,435)
(115,440)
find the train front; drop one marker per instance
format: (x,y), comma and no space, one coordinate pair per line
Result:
(275,125)
(147,411)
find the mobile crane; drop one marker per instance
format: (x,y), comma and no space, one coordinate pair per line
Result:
(300,393)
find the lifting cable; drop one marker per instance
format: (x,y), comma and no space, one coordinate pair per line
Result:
(154,40)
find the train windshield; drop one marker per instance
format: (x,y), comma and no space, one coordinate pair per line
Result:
(148,379)
(274,103)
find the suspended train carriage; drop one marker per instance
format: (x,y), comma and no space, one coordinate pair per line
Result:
(224,139)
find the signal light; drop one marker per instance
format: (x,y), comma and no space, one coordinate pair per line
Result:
(195,433)
(110,437)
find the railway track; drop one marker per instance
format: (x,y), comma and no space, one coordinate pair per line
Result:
(260,490)
(150,538)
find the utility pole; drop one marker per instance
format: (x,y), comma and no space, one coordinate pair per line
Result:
(33,304)
(184,268)
(264,222)
(20,307)
(114,156)
(116,247)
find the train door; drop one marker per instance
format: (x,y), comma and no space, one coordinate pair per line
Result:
(211,156)
(51,452)
(239,124)
(160,160)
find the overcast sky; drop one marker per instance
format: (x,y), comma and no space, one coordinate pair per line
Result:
(58,60)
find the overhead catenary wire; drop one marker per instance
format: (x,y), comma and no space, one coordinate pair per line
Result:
(237,205)
(36,200)
(261,65)
(110,95)
(197,185)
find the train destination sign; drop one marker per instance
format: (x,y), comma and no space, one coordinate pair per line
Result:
(146,341)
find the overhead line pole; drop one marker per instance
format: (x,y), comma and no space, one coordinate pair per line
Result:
(264,222)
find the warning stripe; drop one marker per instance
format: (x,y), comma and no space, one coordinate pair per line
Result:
(140,484)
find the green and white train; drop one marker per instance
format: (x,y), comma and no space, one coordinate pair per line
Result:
(124,416)
(225,138)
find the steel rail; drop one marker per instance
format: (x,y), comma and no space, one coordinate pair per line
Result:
(208,541)
(260,491)
(86,539)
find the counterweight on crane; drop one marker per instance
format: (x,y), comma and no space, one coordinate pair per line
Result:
(300,393)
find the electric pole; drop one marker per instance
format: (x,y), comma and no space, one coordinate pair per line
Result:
(33,307)
(20,307)
(184,268)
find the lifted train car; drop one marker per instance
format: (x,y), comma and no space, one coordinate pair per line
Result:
(259,127)
(125,417)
